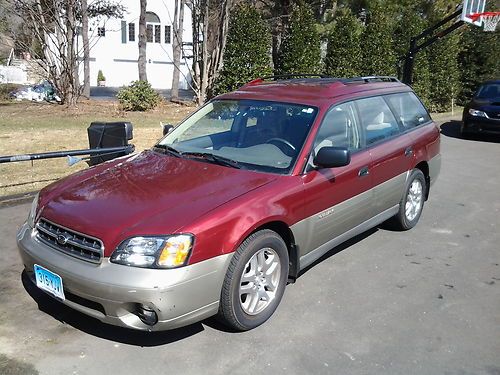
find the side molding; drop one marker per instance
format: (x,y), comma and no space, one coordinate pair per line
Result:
(317,253)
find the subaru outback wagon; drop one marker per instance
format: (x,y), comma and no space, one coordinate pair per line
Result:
(233,203)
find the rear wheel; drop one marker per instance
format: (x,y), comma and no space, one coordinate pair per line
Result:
(412,203)
(255,281)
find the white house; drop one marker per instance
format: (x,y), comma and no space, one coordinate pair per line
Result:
(114,46)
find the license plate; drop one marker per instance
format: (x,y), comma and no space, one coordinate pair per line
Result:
(49,281)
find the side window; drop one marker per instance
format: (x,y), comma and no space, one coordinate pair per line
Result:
(409,109)
(339,128)
(377,120)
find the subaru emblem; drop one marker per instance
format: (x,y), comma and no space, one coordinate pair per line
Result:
(62,239)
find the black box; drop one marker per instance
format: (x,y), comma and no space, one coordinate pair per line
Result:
(108,134)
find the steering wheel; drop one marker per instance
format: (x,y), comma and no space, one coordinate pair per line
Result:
(289,150)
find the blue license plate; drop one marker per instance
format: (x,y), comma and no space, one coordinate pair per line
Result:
(49,281)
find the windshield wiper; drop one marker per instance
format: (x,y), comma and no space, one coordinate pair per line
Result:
(169,149)
(216,159)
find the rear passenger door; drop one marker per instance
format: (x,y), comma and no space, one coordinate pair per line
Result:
(416,121)
(390,151)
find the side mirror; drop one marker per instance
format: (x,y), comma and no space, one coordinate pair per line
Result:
(166,128)
(331,157)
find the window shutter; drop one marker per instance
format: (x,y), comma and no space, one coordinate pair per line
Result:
(124,32)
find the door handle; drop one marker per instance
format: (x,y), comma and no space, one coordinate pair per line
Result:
(408,151)
(363,172)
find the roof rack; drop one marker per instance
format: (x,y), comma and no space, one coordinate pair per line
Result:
(287,76)
(370,79)
(367,79)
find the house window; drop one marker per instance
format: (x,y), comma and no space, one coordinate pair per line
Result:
(149,33)
(131,32)
(168,34)
(157,34)
(153,28)
(152,18)
(101,31)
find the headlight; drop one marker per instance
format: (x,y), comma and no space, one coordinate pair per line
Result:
(32,214)
(477,113)
(154,252)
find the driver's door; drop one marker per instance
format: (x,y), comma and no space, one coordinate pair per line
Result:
(337,199)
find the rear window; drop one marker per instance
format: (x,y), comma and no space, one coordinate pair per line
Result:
(409,109)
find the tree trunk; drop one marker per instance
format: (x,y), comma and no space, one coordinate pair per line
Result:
(71,60)
(280,13)
(210,26)
(178,26)
(142,42)
(205,57)
(196,49)
(86,50)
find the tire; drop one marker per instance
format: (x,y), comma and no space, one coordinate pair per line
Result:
(412,202)
(248,298)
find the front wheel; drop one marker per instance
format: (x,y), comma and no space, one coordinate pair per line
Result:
(255,281)
(412,203)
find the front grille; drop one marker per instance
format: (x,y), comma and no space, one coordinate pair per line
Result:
(70,242)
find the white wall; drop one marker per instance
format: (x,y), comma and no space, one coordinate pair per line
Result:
(118,61)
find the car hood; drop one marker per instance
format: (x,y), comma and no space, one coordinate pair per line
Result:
(488,105)
(143,194)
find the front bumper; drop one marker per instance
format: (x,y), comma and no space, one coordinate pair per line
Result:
(475,124)
(112,293)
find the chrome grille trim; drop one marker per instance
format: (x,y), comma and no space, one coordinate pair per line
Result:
(76,244)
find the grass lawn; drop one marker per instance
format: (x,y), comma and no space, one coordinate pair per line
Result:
(27,127)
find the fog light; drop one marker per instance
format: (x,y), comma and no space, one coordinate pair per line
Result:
(147,315)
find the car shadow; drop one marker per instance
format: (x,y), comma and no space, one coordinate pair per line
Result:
(452,129)
(95,327)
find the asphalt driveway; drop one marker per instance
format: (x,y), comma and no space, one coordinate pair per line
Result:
(425,301)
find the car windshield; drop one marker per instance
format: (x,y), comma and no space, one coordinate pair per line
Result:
(251,134)
(489,91)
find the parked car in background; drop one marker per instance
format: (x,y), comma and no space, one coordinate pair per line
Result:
(482,113)
(233,203)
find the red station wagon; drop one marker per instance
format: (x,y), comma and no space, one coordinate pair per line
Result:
(233,203)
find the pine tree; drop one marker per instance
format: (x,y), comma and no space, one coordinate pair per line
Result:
(247,51)
(410,23)
(378,57)
(443,66)
(478,61)
(343,54)
(300,49)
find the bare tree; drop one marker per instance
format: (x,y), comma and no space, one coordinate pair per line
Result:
(73,83)
(210,25)
(86,50)
(177,28)
(142,42)
(54,26)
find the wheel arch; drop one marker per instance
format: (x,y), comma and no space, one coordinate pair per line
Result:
(284,231)
(424,167)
